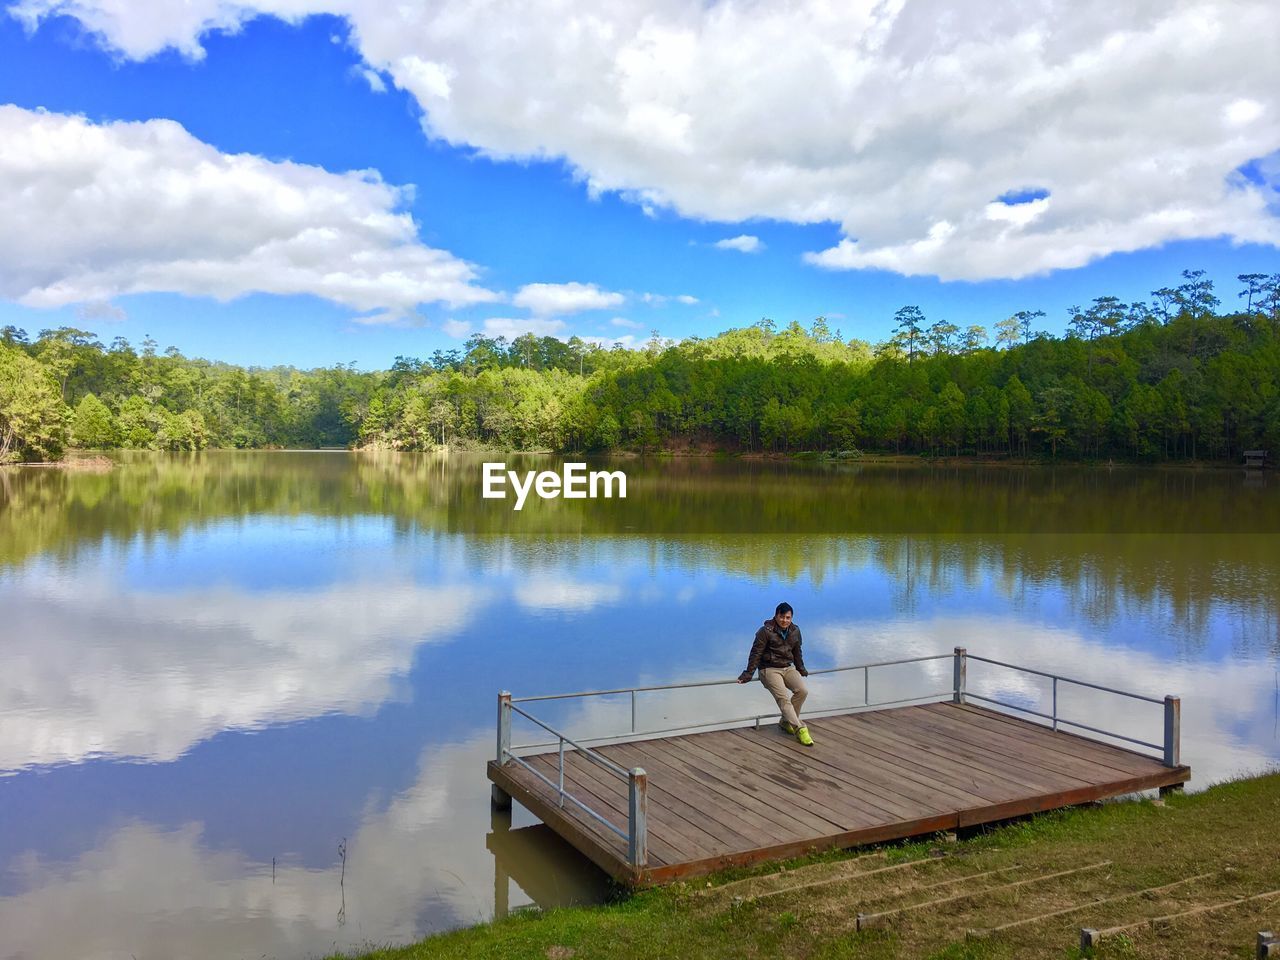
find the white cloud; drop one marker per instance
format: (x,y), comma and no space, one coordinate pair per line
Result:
(513,327)
(458,329)
(661,299)
(624,322)
(390,318)
(561,298)
(103,310)
(94,211)
(887,118)
(627,340)
(743,243)
(371,77)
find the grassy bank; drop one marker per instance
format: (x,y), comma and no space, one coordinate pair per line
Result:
(1204,849)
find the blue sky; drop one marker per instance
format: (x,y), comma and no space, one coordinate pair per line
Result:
(596,180)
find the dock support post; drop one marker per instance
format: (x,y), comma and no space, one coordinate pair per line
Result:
(1268,945)
(638,817)
(958,674)
(1172,731)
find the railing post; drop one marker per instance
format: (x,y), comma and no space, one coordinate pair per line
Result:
(501,799)
(638,817)
(504,726)
(1172,731)
(561,771)
(633,711)
(866,686)
(1055,703)
(958,670)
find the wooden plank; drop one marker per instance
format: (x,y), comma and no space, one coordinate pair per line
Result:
(599,799)
(803,776)
(877,804)
(1118,758)
(742,817)
(984,777)
(878,799)
(722,785)
(1041,746)
(585,779)
(1121,763)
(880,751)
(881,782)
(1051,766)
(607,795)
(673,793)
(594,842)
(975,757)
(873,798)
(1010,759)
(1038,803)
(747,777)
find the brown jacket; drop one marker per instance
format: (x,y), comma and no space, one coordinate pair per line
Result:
(771,649)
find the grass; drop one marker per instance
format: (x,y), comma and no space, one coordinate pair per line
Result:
(1229,831)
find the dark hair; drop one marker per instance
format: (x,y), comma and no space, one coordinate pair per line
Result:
(782,608)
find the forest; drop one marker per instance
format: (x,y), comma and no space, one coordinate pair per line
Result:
(1176,378)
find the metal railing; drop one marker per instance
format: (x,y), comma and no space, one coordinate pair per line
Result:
(1170,749)
(636,832)
(754,718)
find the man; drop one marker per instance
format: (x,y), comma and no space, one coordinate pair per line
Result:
(776,651)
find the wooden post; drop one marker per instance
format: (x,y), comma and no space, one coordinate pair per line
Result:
(1172,731)
(638,817)
(1268,945)
(500,799)
(958,670)
(1089,939)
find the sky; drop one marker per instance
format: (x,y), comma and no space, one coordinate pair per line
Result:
(312,182)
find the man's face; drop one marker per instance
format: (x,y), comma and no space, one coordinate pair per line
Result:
(783,620)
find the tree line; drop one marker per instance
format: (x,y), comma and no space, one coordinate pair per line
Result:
(1174,378)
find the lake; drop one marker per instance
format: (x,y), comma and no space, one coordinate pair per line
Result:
(247,697)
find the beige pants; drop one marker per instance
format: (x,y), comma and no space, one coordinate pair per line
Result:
(788,688)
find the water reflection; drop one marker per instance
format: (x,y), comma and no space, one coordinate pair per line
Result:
(99,666)
(219,668)
(418,864)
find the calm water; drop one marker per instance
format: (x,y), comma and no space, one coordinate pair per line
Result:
(246,699)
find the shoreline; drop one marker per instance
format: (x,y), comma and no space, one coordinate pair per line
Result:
(76,459)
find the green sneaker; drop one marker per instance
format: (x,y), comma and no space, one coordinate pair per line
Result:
(787,728)
(803,736)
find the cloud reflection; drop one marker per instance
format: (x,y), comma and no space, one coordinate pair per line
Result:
(93,669)
(416,866)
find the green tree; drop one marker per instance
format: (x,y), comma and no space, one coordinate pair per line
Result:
(93,425)
(909,330)
(137,422)
(32,415)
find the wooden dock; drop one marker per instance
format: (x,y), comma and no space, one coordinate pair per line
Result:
(733,797)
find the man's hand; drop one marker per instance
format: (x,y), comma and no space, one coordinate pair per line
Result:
(744,677)
(804,672)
